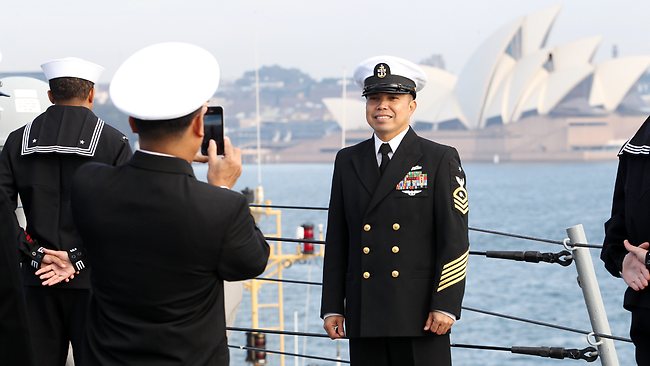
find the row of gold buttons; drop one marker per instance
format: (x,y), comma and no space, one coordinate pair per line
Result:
(367,227)
(394,249)
(394,274)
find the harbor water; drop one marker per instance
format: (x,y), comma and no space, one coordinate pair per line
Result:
(533,199)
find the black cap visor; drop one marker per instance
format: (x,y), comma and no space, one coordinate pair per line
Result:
(392,84)
(3,94)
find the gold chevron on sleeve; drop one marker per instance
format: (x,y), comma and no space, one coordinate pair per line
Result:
(455,281)
(456,268)
(461,202)
(453,272)
(459,259)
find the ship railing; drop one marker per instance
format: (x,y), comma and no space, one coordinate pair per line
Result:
(575,250)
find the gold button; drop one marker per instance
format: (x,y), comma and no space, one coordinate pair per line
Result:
(395,274)
(366,275)
(395,249)
(395,226)
(366,227)
(366,250)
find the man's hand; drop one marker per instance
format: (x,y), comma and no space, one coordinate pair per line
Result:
(333,325)
(438,323)
(55,267)
(635,274)
(223,171)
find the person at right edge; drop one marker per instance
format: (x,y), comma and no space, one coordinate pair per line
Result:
(397,243)
(160,241)
(627,232)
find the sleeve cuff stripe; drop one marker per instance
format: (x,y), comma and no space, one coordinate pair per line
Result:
(453,273)
(456,260)
(451,283)
(455,267)
(451,278)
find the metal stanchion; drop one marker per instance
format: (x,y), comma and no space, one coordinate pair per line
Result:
(591,293)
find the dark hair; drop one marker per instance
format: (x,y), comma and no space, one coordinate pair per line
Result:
(67,88)
(156,129)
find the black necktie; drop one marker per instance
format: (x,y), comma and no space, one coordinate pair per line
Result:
(384,149)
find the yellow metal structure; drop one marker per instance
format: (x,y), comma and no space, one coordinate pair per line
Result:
(278,261)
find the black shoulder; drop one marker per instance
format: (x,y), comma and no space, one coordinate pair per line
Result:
(353,150)
(93,168)
(113,134)
(438,149)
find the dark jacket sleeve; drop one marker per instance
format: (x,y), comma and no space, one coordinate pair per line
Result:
(7,182)
(336,249)
(15,347)
(124,154)
(613,250)
(452,242)
(245,252)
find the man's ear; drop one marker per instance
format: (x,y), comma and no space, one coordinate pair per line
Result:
(91,96)
(134,128)
(197,125)
(50,96)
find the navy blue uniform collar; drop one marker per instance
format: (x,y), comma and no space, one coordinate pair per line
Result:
(167,164)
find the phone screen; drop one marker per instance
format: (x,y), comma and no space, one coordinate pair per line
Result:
(213,129)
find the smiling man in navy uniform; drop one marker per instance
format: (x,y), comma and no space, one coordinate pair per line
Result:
(397,244)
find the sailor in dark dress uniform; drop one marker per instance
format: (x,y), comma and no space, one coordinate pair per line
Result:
(38,162)
(159,241)
(627,233)
(397,244)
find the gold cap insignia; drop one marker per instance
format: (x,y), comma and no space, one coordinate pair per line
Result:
(382,70)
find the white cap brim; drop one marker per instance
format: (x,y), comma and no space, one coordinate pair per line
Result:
(398,66)
(72,67)
(165,81)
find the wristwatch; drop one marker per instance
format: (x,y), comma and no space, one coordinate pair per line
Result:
(647,259)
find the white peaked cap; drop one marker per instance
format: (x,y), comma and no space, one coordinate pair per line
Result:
(72,67)
(398,67)
(165,81)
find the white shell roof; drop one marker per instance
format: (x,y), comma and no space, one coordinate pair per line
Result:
(614,78)
(536,28)
(575,53)
(440,83)
(350,114)
(559,84)
(476,77)
(520,83)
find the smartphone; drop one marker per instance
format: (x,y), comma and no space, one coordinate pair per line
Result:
(213,129)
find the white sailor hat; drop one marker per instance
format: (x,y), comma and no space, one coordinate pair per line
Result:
(72,67)
(389,74)
(165,81)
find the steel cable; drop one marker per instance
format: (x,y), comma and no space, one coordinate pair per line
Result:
(498,315)
(589,354)
(494,232)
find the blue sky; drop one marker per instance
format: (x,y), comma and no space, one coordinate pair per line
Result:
(323,38)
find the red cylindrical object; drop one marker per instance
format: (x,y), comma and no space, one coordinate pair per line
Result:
(260,342)
(308,248)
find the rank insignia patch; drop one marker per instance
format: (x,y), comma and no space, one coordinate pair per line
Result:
(413,182)
(461,202)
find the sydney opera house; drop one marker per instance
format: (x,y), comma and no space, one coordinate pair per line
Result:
(519,98)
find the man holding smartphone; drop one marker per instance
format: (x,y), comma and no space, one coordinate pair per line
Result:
(161,243)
